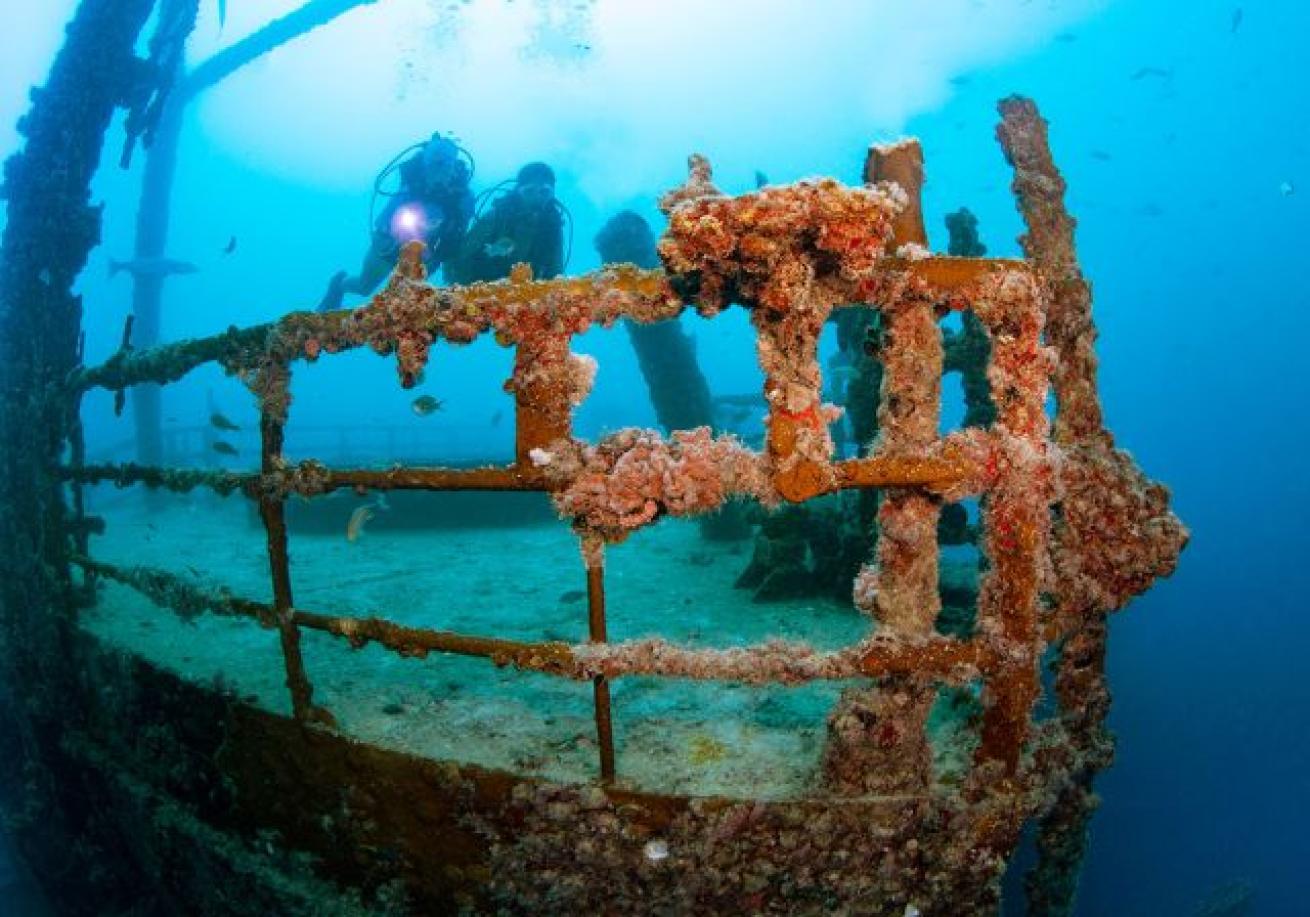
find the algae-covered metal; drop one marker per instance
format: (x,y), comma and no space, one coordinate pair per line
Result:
(1070,527)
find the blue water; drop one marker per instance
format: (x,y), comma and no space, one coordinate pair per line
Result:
(1180,128)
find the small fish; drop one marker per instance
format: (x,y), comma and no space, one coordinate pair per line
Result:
(573,595)
(961,80)
(424,405)
(500,248)
(355,527)
(231,246)
(222,14)
(1236,22)
(1286,189)
(496,418)
(1066,37)
(1143,72)
(760,179)
(152,267)
(1151,209)
(1102,155)
(219,422)
(224,448)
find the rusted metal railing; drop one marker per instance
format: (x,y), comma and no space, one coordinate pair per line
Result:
(792,255)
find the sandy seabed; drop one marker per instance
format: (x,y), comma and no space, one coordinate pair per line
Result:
(524,582)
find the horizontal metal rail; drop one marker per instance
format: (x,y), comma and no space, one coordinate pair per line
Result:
(940,658)
(246,348)
(934,472)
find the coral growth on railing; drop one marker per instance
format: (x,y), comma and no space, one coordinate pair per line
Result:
(1070,528)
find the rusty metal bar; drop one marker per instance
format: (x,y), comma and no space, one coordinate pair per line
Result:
(936,472)
(902,163)
(549,657)
(541,399)
(179,480)
(935,657)
(593,552)
(1015,515)
(186,599)
(508,478)
(878,740)
(302,335)
(1039,190)
(273,389)
(170,362)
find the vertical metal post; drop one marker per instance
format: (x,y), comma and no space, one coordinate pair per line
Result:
(1016,517)
(274,390)
(593,552)
(881,744)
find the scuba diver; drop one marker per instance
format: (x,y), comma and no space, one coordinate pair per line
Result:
(526,223)
(433,205)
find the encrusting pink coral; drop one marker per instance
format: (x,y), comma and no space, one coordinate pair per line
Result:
(791,254)
(780,247)
(634,476)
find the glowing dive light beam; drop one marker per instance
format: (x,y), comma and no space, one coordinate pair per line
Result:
(409,223)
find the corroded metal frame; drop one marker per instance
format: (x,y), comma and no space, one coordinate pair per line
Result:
(1018,469)
(932,465)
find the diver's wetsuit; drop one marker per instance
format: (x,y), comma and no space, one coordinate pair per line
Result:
(510,232)
(444,210)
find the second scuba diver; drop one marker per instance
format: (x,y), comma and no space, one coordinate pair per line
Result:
(525,224)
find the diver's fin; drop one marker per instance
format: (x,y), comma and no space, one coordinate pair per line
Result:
(336,292)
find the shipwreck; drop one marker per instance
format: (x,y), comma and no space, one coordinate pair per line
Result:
(125,783)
